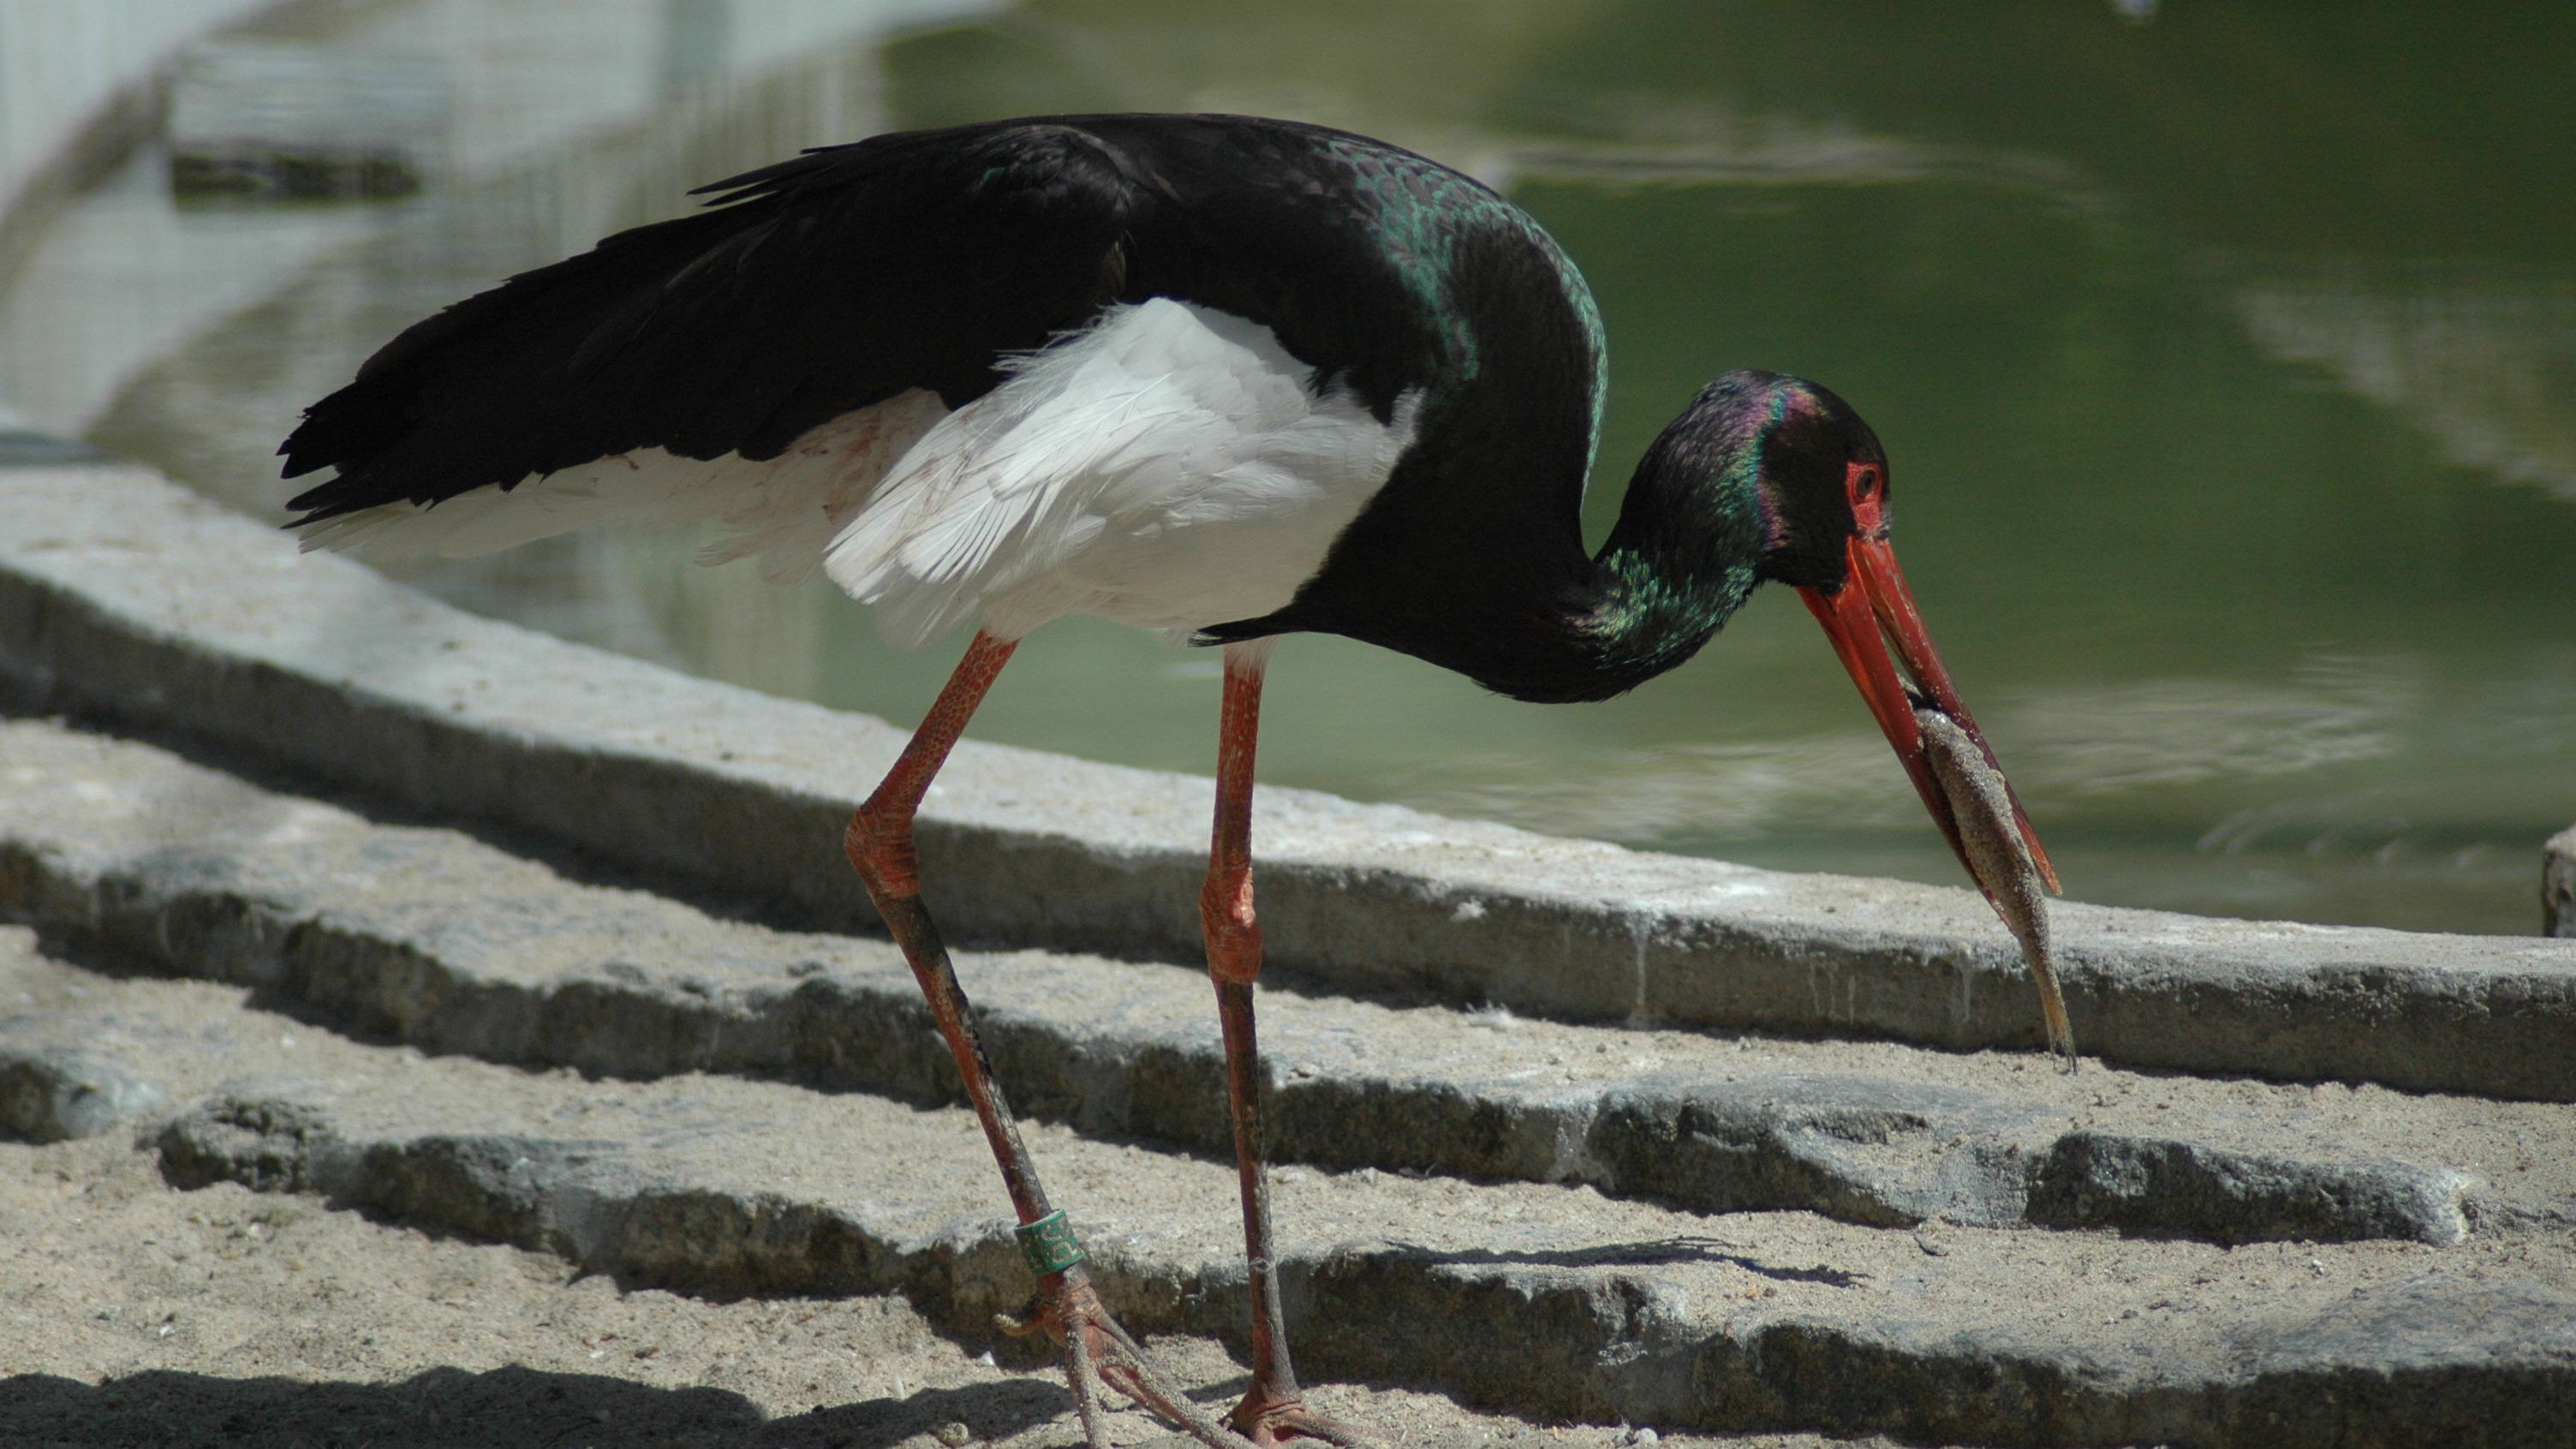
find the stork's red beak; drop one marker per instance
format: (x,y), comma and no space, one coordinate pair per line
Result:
(1871,612)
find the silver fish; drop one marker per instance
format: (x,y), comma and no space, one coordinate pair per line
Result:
(2000,859)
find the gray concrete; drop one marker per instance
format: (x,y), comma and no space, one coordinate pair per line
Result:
(1537,1299)
(1621,1320)
(52,1089)
(125,597)
(430,937)
(1695,1230)
(2558,884)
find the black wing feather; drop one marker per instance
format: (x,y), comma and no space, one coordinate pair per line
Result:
(815,286)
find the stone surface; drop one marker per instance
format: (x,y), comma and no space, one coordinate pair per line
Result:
(429,937)
(2164,1187)
(1615,1311)
(667,1106)
(142,1316)
(1532,1298)
(124,597)
(52,1090)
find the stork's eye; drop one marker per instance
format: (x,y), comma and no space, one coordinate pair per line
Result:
(1866,485)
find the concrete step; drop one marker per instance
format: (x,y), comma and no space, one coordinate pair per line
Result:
(139,1313)
(124,596)
(1538,1299)
(427,936)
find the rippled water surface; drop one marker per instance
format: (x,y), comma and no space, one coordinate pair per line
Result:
(2226,356)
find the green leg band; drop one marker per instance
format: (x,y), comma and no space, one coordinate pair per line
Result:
(1049,1244)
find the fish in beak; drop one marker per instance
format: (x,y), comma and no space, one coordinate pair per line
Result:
(1876,631)
(1879,636)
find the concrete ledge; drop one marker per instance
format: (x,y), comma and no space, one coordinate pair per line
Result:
(121,595)
(1533,1298)
(360,926)
(1614,1316)
(51,1090)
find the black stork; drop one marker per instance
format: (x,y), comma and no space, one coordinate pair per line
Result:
(1226,377)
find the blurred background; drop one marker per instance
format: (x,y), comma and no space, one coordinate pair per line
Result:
(2226,355)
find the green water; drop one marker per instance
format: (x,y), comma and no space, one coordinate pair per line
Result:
(2226,359)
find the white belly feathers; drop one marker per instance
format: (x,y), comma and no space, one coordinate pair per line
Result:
(1165,467)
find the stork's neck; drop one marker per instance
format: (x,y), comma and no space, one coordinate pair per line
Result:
(1682,559)
(1653,610)
(1471,558)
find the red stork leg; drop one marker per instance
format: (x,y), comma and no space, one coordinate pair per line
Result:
(1273,1408)
(880,843)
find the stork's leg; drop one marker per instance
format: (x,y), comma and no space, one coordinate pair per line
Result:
(1273,1409)
(880,844)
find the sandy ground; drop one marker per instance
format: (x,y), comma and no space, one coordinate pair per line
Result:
(135,1314)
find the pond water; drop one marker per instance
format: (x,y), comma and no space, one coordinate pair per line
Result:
(2226,356)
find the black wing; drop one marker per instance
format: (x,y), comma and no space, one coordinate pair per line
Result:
(853,273)
(816,286)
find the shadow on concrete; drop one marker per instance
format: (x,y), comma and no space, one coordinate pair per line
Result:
(1659,1251)
(508,1408)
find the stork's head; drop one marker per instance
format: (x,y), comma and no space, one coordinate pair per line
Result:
(1821,480)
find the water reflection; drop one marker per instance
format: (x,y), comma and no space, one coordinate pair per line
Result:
(2486,366)
(2160,735)
(266,121)
(2227,373)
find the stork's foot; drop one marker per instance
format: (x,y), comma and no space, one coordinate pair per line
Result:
(1269,1422)
(1097,1351)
